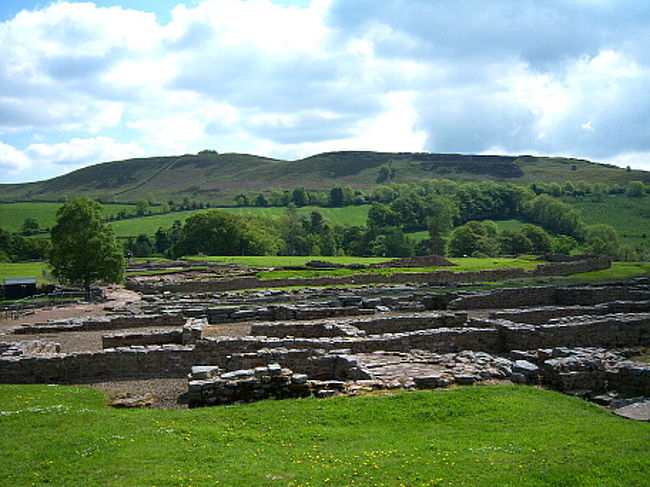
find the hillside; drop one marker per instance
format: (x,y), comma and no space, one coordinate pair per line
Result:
(219,177)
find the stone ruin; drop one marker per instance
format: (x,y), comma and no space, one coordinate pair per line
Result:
(578,339)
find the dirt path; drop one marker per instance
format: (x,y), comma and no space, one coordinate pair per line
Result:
(117,296)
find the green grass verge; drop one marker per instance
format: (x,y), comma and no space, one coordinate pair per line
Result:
(618,270)
(24,269)
(478,436)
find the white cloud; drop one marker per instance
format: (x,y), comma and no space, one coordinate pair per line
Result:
(83,151)
(636,160)
(12,160)
(545,77)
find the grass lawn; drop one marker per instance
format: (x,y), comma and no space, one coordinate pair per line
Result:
(619,270)
(24,269)
(476,436)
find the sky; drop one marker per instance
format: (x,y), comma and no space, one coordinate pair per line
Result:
(103,80)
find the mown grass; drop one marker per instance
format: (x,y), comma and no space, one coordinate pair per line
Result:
(618,270)
(480,436)
(25,269)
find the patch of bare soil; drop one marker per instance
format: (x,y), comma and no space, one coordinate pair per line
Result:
(152,393)
(419,261)
(116,296)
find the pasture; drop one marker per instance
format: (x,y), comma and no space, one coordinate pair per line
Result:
(471,436)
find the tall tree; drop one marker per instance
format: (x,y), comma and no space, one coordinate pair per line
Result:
(84,250)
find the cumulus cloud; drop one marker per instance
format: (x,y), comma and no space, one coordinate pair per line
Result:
(83,151)
(544,76)
(12,160)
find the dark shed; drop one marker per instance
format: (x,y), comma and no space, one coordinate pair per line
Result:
(19,287)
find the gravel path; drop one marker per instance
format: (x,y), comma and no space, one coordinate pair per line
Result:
(117,296)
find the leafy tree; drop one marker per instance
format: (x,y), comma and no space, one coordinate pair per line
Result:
(141,246)
(473,238)
(381,215)
(141,207)
(603,239)
(391,242)
(84,250)
(540,241)
(563,244)
(384,174)
(299,197)
(30,226)
(260,200)
(241,200)
(636,189)
(337,196)
(162,241)
(220,233)
(513,242)
(554,215)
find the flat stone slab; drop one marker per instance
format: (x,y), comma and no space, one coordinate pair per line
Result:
(639,411)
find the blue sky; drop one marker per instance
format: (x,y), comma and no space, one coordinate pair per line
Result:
(87,82)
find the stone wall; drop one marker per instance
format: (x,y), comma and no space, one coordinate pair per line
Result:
(546,296)
(103,323)
(207,387)
(537,316)
(621,330)
(131,339)
(164,361)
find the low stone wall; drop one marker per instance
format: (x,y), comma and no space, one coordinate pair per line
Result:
(304,330)
(207,387)
(587,371)
(30,347)
(589,263)
(622,330)
(103,323)
(271,313)
(353,328)
(164,361)
(541,315)
(544,296)
(538,316)
(132,339)
(400,324)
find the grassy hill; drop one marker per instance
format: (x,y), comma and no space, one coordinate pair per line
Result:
(217,178)
(629,216)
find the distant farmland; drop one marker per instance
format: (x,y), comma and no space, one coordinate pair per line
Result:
(346,216)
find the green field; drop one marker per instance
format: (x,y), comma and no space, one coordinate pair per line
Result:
(629,216)
(349,215)
(24,269)
(474,436)
(12,215)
